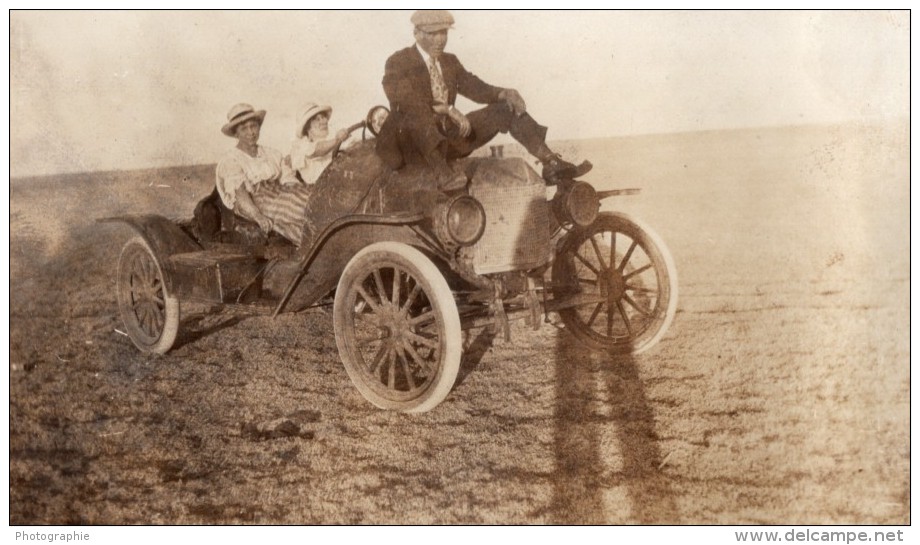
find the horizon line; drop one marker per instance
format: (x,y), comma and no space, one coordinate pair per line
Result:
(854,122)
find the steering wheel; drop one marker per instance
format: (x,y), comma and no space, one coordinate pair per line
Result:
(374,121)
(376,117)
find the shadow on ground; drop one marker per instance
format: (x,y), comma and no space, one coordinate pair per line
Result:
(599,396)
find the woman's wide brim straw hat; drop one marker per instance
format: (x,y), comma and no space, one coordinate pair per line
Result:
(309,112)
(239,114)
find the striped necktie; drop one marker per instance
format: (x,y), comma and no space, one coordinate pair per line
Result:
(438,87)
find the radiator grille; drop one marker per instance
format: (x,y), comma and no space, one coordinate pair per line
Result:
(518,223)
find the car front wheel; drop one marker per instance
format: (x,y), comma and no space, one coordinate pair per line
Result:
(397,328)
(618,282)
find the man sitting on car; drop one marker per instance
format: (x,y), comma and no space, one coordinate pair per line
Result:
(422,83)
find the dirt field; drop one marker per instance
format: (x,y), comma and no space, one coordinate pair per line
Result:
(779,395)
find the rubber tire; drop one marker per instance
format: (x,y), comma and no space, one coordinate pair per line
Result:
(162,340)
(380,256)
(666,275)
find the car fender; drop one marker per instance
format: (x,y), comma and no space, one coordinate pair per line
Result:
(319,271)
(163,235)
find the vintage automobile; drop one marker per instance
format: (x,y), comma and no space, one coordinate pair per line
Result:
(411,269)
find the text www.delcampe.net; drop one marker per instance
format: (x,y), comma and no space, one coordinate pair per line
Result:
(822,536)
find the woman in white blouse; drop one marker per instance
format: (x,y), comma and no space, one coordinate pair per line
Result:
(253,182)
(312,149)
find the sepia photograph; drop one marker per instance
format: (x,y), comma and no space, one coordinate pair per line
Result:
(466,267)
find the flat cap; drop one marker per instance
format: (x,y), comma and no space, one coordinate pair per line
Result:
(432,20)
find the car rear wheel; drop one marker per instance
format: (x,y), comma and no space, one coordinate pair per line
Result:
(397,328)
(150,313)
(619,282)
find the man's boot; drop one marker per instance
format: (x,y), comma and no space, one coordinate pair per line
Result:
(556,169)
(532,136)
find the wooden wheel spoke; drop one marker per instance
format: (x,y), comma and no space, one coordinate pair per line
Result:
(391,368)
(368,339)
(597,310)
(587,263)
(625,318)
(405,367)
(613,248)
(141,315)
(641,289)
(157,320)
(154,318)
(138,273)
(140,293)
(150,272)
(609,320)
(378,358)
(370,301)
(138,269)
(397,275)
(423,318)
(149,321)
(597,252)
(636,306)
(412,353)
(627,256)
(424,341)
(587,281)
(640,270)
(411,298)
(381,291)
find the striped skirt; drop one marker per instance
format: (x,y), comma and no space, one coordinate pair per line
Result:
(285,205)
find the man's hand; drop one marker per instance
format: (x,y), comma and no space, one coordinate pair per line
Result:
(341,136)
(515,100)
(462,122)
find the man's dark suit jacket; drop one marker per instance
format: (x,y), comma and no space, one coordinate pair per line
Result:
(412,122)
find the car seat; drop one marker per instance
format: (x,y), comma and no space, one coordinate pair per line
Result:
(214,222)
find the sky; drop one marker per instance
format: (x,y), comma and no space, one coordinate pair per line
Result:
(121,90)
